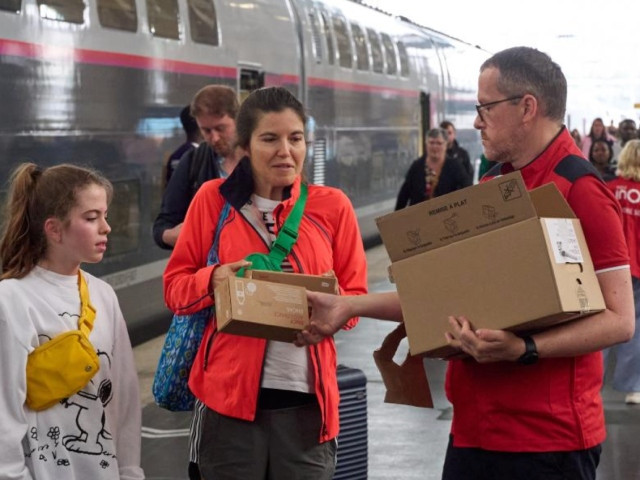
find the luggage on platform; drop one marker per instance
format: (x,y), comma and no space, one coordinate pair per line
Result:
(352,440)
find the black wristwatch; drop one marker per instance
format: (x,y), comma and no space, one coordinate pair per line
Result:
(530,355)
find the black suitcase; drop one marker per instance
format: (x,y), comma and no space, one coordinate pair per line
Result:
(352,441)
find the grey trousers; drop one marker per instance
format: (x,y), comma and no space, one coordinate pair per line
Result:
(279,444)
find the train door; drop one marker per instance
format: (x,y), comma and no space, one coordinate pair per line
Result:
(251,77)
(425,118)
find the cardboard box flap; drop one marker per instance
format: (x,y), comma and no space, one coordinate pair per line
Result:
(549,202)
(458,215)
(316,283)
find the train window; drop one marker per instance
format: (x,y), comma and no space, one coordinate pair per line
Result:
(376,51)
(10,5)
(404,59)
(362,54)
(327,33)
(119,14)
(124,217)
(71,11)
(250,80)
(344,43)
(390,54)
(164,18)
(316,36)
(203,21)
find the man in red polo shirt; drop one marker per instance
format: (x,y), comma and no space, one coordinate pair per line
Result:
(530,408)
(525,408)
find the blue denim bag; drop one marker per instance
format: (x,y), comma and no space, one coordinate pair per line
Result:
(170,383)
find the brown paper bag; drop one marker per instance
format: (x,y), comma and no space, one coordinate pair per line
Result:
(406,384)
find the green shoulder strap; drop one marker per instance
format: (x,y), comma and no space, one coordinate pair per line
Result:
(285,240)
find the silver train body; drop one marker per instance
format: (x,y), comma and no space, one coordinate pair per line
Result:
(101,83)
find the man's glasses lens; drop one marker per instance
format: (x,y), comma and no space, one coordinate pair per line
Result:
(481,106)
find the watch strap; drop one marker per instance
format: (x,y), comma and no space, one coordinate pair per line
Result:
(530,355)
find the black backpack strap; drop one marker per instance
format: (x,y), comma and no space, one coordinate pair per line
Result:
(203,163)
(194,167)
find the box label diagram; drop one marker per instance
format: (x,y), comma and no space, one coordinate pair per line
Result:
(564,241)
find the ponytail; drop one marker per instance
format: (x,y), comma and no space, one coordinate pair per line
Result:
(34,196)
(19,250)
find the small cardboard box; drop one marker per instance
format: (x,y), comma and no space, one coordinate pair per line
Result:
(257,308)
(501,256)
(315,283)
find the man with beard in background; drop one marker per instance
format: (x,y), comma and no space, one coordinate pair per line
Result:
(214,108)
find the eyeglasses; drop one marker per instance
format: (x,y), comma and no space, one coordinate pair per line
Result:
(480,106)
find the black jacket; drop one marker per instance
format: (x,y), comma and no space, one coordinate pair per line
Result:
(461,155)
(187,178)
(453,176)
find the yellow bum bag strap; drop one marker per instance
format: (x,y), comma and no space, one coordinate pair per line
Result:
(87,311)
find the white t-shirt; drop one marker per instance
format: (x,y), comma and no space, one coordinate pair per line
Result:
(93,435)
(286,367)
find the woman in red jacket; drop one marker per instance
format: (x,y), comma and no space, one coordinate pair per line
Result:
(270,408)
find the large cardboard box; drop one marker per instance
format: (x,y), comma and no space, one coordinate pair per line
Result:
(501,256)
(257,308)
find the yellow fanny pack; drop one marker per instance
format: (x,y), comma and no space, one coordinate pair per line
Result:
(65,364)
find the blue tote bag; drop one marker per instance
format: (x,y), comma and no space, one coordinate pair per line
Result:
(170,383)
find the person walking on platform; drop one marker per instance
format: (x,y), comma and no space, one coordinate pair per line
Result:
(626,131)
(270,408)
(626,188)
(600,156)
(597,132)
(433,174)
(526,407)
(85,422)
(192,140)
(214,108)
(454,150)
(575,133)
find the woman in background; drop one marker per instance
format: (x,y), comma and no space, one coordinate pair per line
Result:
(433,174)
(577,137)
(597,132)
(600,155)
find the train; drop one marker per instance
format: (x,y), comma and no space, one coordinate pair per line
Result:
(101,83)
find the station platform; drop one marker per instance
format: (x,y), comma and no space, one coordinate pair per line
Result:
(403,442)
